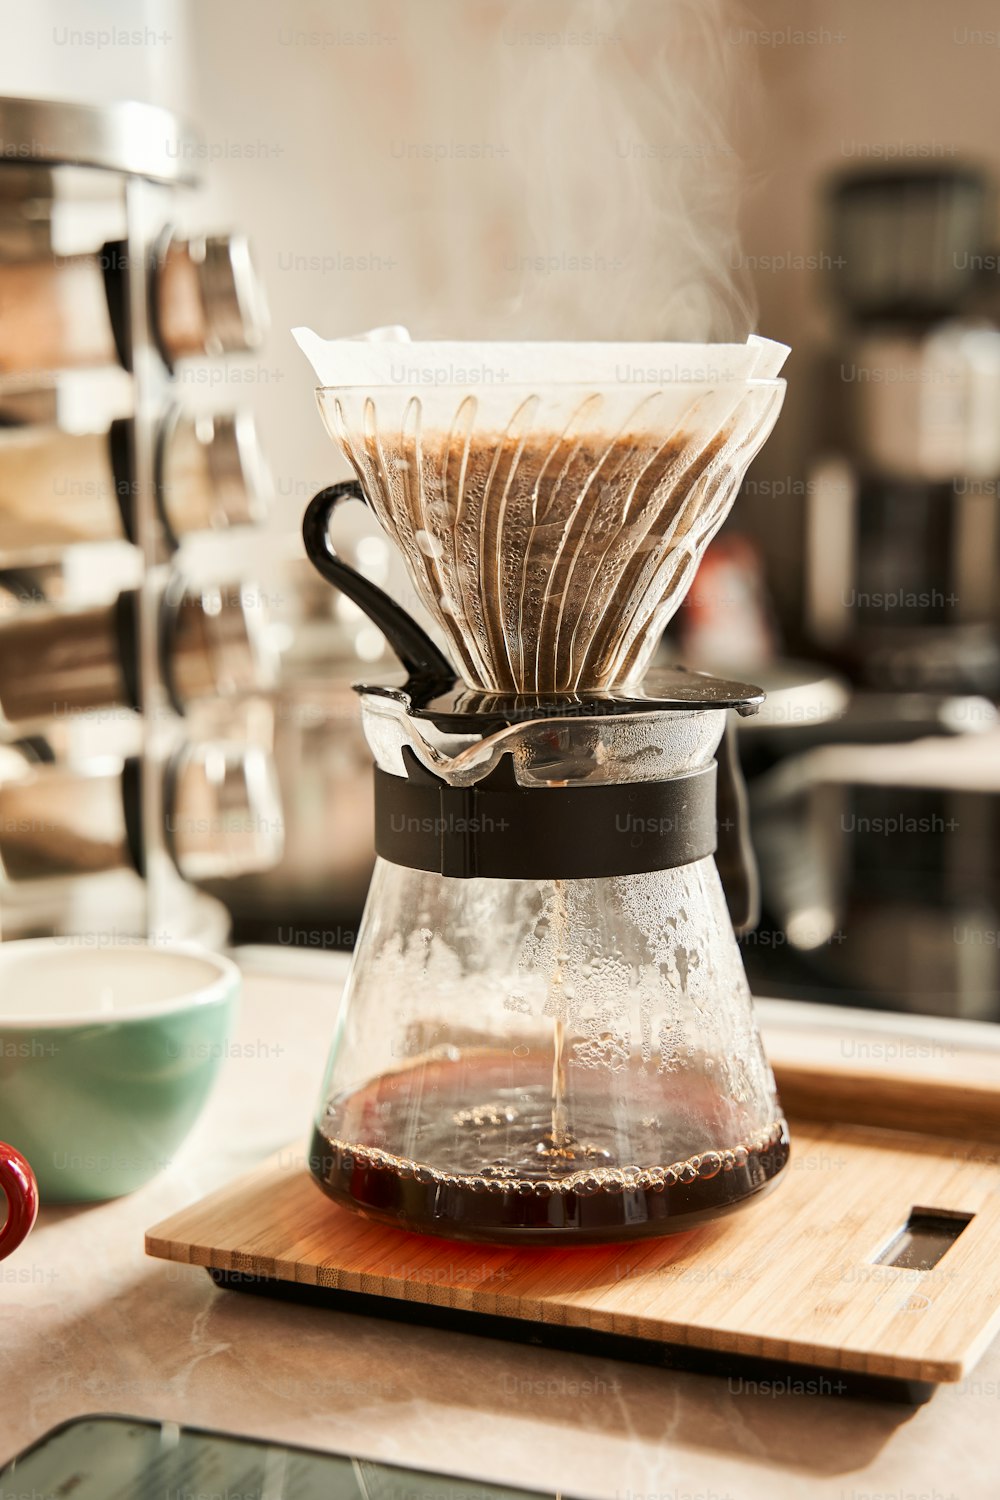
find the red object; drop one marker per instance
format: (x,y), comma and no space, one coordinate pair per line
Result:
(725,618)
(18,1185)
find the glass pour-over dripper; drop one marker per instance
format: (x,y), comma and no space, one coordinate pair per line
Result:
(551,502)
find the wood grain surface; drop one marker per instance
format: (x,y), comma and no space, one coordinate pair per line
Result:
(790,1276)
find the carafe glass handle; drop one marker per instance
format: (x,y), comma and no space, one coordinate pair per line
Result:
(734,853)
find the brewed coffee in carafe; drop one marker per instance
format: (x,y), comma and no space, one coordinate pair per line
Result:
(547,1034)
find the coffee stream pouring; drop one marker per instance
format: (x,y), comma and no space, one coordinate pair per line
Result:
(547,1034)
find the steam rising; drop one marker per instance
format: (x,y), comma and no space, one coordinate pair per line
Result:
(571,168)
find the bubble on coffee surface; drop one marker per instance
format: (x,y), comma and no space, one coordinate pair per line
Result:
(486,1114)
(593,1176)
(430,545)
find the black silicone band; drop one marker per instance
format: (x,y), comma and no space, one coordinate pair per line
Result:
(544,833)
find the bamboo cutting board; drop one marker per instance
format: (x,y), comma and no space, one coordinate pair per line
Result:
(794,1276)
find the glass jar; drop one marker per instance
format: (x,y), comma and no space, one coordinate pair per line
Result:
(62,488)
(64,312)
(56,661)
(222,814)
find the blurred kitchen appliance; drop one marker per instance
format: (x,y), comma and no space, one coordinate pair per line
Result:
(903,532)
(881,875)
(102,477)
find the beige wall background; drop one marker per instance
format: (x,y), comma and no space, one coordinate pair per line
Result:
(888,81)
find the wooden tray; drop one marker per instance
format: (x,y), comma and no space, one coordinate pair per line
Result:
(794,1285)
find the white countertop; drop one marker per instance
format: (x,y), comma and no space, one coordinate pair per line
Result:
(88,1323)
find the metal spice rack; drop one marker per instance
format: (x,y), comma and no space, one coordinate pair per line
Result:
(124,161)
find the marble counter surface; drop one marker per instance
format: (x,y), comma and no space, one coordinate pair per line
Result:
(88,1323)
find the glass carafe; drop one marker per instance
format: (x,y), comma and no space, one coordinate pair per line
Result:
(549,1059)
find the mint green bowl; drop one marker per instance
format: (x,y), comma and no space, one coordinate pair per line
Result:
(107,1056)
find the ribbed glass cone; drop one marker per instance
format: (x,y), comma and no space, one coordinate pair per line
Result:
(552,528)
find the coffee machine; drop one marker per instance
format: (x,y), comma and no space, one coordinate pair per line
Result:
(904,529)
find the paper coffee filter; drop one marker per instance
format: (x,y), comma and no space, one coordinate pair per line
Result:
(551,501)
(387,356)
